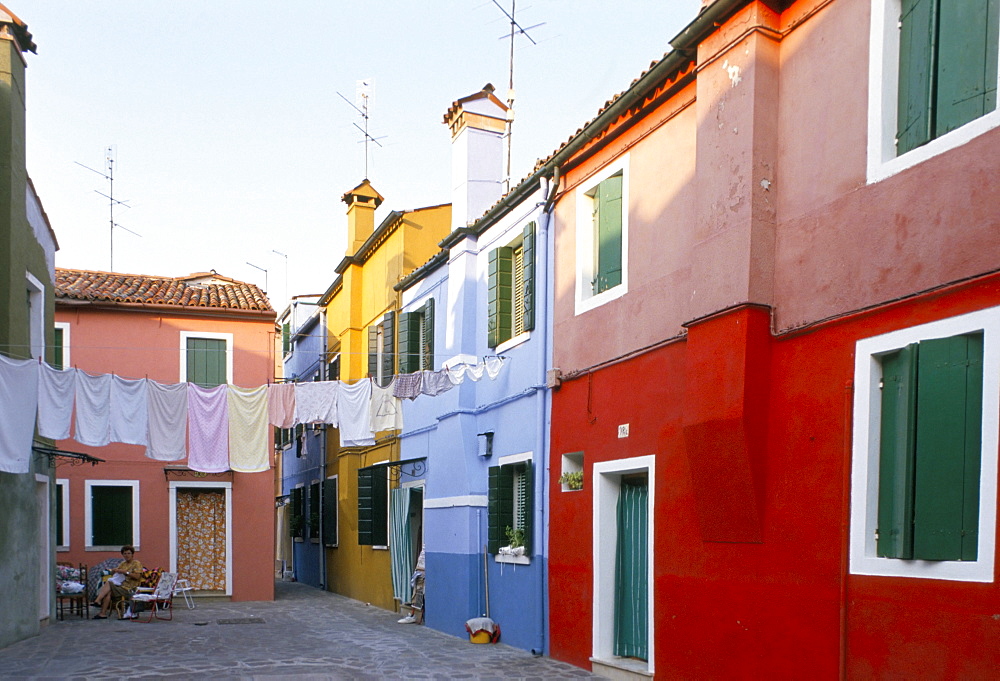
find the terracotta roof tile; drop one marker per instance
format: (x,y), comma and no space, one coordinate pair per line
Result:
(204,290)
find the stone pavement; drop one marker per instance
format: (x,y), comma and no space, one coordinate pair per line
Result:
(304,634)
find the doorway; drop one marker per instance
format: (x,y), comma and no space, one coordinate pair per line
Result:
(201,535)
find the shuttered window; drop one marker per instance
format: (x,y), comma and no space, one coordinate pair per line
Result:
(381,349)
(607,202)
(416,339)
(511,289)
(314,510)
(509,504)
(111,515)
(206,361)
(373,506)
(296,514)
(330,500)
(929,451)
(286,338)
(57,348)
(947,67)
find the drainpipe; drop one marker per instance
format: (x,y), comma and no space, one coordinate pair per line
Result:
(543,401)
(322,464)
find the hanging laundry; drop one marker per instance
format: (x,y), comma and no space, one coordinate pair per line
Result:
(18,405)
(434,383)
(316,402)
(167,421)
(93,409)
(493,366)
(129,411)
(458,372)
(386,409)
(281,405)
(56,390)
(248,429)
(208,429)
(354,412)
(407,386)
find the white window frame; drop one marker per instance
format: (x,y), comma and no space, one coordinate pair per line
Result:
(228,337)
(88,538)
(36,315)
(883,96)
(172,509)
(606,485)
(865,460)
(586,299)
(65,327)
(62,490)
(508,460)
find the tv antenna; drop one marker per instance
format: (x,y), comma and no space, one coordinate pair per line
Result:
(363,92)
(515,30)
(109,175)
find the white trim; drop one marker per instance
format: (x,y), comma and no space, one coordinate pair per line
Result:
(606,481)
(88,537)
(65,326)
(514,458)
(63,484)
(883,95)
(458,501)
(460,359)
(36,315)
(585,298)
(865,457)
(172,492)
(513,342)
(512,560)
(228,337)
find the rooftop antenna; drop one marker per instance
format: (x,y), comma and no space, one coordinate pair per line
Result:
(285,256)
(515,30)
(109,175)
(262,270)
(363,95)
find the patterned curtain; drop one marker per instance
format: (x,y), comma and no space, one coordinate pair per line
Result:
(400,546)
(631,583)
(201,538)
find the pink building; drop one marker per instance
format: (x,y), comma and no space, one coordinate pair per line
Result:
(215,529)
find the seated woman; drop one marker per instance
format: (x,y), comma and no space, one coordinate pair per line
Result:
(122,583)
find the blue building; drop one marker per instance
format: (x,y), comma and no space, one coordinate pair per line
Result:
(484,443)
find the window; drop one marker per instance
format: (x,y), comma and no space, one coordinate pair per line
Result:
(330,501)
(282,438)
(206,358)
(60,346)
(333,369)
(286,339)
(296,514)
(373,506)
(936,73)
(511,288)
(602,237)
(925,494)
(314,511)
(35,301)
(111,514)
(416,339)
(381,353)
(509,505)
(62,514)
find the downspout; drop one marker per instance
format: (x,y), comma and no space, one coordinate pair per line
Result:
(323,364)
(543,403)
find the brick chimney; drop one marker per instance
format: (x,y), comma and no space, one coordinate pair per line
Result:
(477,125)
(361,204)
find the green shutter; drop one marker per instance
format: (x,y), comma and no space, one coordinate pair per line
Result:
(295,516)
(949,422)
(428,336)
(501,298)
(365,502)
(373,350)
(409,342)
(314,510)
(967,62)
(57,348)
(916,69)
(631,636)
(206,361)
(388,348)
(528,276)
(330,512)
(286,338)
(373,519)
(494,532)
(60,540)
(527,506)
(896,456)
(609,234)
(111,515)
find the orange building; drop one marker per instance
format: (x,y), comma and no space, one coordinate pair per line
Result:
(216,529)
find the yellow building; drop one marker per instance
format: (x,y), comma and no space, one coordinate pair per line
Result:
(360,310)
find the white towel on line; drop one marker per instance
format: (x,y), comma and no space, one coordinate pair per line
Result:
(129,409)
(167,421)
(354,413)
(93,409)
(18,406)
(56,390)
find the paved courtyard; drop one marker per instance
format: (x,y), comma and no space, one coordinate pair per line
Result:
(304,634)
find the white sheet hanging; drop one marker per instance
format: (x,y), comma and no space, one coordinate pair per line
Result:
(129,411)
(354,411)
(93,409)
(167,421)
(56,392)
(18,406)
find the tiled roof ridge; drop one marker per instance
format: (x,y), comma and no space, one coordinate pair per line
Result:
(116,287)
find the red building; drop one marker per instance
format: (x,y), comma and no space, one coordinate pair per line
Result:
(217,529)
(785,235)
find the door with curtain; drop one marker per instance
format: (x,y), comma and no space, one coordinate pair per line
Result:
(400,544)
(631,570)
(201,538)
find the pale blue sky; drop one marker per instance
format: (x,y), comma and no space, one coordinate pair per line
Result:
(231,139)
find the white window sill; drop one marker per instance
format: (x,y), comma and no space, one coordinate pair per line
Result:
(61,549)
(513,342)
(585,304)
(105,549)
(628,667)
(297,539)
(513,560)
(380,548)
(567,488)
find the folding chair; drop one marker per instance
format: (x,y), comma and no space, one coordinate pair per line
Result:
(184,588)
(161,599)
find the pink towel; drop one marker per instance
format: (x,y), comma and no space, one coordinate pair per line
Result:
(208,429)
(281,405)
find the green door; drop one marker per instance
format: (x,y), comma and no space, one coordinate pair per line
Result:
(631,571)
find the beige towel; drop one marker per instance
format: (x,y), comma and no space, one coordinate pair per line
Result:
(248,429)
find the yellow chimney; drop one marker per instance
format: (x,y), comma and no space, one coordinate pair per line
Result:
(361,204)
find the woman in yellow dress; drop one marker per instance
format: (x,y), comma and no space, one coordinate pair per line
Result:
(124,580)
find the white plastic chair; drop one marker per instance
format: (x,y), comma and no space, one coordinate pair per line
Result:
(183,587)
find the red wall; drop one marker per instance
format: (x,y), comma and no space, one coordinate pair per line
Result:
(770,609)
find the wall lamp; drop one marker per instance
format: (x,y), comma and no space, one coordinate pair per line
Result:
(486,445)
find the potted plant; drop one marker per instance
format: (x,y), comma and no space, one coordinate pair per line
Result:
(572,479)
(515,542)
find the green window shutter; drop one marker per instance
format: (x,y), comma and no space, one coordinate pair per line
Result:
(608,249)
(373,512)
(409,338)
(526,496)
(373,350)
(896,454)
(365,503)
(501,274)
(206,361)
(111,515)
(330,512)
(295,519)
(286,338)
(966,62)
(388,347)
(314,510)
(949,421)
(494,531)
(60,540)
(57,348)
(528,277)
(427,336)
(916,68)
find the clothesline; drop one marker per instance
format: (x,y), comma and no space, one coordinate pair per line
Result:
(217,429)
